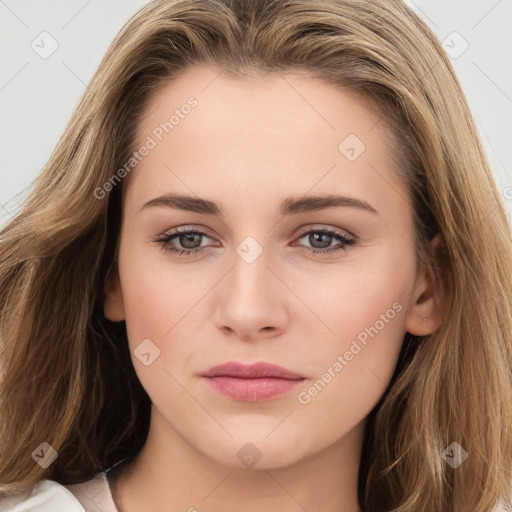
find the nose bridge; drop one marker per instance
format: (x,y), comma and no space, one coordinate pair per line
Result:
(250,277)
(252,297)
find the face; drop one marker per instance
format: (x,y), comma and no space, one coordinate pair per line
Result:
(294,248)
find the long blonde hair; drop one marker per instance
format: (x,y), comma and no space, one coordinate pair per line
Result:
(66,373)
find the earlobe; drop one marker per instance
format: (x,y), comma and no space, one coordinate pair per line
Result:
(426,311)
(113,306)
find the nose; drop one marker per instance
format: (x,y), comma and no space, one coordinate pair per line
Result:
(252,302)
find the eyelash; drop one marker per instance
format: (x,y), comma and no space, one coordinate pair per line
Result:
(166,238)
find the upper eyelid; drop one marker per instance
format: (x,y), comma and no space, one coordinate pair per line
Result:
(324,228)
(188,229)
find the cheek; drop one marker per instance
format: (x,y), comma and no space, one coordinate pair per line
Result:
(358,295)
(156,292)
(364,306)
(164,303)
(160,321)
(352,370)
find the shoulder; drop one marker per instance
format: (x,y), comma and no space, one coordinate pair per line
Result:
(49,496)
(94,495)
(45,496)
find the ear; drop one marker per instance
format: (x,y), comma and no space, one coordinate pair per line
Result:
(113,306)
(426,306)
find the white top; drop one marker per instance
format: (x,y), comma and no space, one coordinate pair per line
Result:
(50,496)
(91,496)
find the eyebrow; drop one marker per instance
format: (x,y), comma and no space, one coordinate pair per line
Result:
(289,206)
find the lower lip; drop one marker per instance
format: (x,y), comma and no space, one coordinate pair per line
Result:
(252,390)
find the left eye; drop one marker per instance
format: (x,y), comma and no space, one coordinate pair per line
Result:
(321,240)
(191,240)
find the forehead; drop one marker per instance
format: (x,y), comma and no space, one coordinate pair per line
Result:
(259,100)
(289,129)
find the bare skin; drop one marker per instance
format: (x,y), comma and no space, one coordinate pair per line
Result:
(248,146)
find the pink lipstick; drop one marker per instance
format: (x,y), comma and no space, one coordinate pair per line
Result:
(252,383)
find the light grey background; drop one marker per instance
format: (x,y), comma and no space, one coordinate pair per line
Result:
(38,92)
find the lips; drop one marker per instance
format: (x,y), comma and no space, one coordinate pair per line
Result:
(253,371)
(252,383)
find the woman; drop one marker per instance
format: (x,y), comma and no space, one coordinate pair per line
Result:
(266,267)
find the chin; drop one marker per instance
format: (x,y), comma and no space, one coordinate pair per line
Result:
(256,452)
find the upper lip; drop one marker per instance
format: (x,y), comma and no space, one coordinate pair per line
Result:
(252,371)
